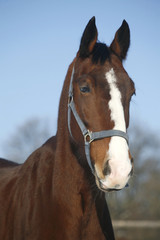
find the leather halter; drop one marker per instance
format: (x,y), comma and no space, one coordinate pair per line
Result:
(88,135)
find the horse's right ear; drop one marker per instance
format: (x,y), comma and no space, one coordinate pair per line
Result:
(88,39)
(121,41)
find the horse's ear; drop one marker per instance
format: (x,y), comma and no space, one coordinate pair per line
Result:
(121,41)
(88,39)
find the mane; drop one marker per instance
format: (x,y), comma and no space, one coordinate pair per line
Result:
(100,53)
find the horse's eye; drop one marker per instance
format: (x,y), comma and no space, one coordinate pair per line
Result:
(85,89)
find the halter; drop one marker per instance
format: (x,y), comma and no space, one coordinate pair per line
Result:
(88,135)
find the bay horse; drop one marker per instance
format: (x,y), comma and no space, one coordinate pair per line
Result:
(58,193)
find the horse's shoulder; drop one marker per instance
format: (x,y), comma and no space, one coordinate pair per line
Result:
(42,156)
(50,143)
(48,148)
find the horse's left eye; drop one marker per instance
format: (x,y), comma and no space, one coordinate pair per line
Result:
(85,89)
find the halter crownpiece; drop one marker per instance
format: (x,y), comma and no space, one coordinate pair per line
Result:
(88,135)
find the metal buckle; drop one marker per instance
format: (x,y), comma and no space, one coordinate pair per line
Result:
(88,137)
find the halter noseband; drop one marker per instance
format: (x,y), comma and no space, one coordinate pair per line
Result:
(87,134)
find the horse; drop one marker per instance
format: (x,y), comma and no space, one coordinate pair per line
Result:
(59,191)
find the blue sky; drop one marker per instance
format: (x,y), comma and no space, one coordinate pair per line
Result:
(39,39)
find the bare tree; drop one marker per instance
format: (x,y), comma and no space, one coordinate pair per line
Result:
(27,137)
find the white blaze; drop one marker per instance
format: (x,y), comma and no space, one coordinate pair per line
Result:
(115,104)
(118,148)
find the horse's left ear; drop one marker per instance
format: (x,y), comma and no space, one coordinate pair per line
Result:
(88,39)
(121,41)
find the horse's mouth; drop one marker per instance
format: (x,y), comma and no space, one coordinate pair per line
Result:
(104,189)
(100,186)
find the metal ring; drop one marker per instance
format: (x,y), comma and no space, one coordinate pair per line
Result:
(70,99)
(88,137)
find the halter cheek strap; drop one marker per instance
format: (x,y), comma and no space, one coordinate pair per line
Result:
(87,134)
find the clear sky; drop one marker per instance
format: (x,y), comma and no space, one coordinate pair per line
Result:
(39,39)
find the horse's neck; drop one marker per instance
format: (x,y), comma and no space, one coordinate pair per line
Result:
(66,157)
(66,168)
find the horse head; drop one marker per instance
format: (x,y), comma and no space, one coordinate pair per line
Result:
(100,92)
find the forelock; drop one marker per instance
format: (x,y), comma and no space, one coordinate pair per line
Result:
(100,53)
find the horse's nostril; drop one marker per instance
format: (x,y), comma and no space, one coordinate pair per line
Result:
(107,169)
